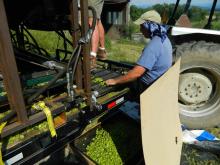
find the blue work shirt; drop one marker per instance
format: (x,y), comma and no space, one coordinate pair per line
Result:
(156,58)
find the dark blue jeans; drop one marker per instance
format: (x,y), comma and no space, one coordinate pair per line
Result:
(136,88)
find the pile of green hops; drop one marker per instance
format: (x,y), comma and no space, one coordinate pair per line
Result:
(27,133)
(99,80)
(2,94)
(114,144)
(103,150)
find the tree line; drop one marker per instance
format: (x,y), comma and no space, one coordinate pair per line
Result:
(165,10)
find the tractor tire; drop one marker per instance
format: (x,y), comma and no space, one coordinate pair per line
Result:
(199,85)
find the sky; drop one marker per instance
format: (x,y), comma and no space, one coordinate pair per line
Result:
(145,3)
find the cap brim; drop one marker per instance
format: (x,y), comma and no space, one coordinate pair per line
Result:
(139,21)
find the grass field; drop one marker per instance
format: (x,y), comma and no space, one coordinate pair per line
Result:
(125,51)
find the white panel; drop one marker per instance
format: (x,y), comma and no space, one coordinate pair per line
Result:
(182,30)
(14,159)
(160,124)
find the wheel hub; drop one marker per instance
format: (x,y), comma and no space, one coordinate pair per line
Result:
(194,88)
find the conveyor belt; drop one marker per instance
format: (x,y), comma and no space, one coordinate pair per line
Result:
(31,83)
(38,147)
(104,75)
(110,97)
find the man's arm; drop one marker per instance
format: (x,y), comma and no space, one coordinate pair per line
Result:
(133,74)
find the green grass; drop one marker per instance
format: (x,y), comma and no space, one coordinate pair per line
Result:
(216,25)
(50,41)
(191,156)
(202,23)
(125,51)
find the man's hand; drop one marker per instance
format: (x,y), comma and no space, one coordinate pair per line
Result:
(133,74)
(111,82)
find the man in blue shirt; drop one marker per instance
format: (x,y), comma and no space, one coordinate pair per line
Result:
(156,57)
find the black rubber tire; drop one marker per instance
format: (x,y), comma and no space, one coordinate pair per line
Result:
(205,56)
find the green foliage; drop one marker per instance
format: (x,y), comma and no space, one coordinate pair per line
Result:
(198,24)
(136,12)
(130,29)
(196,15)
(214,131)
(216,25)
(108,43)
(217,13)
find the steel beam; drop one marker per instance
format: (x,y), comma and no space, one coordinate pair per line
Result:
(86,51)
(9,69)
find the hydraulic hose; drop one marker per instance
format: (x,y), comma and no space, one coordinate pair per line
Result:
(75,57)
(71,68)
(8,117)
(208,146)
(43,89)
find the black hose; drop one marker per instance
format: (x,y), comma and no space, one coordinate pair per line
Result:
(74,57)
(8,117)
(81,41)
(208,146)
(60,74)
(43,89)
(71,69)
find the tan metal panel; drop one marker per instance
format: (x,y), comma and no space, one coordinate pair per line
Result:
(160,124)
